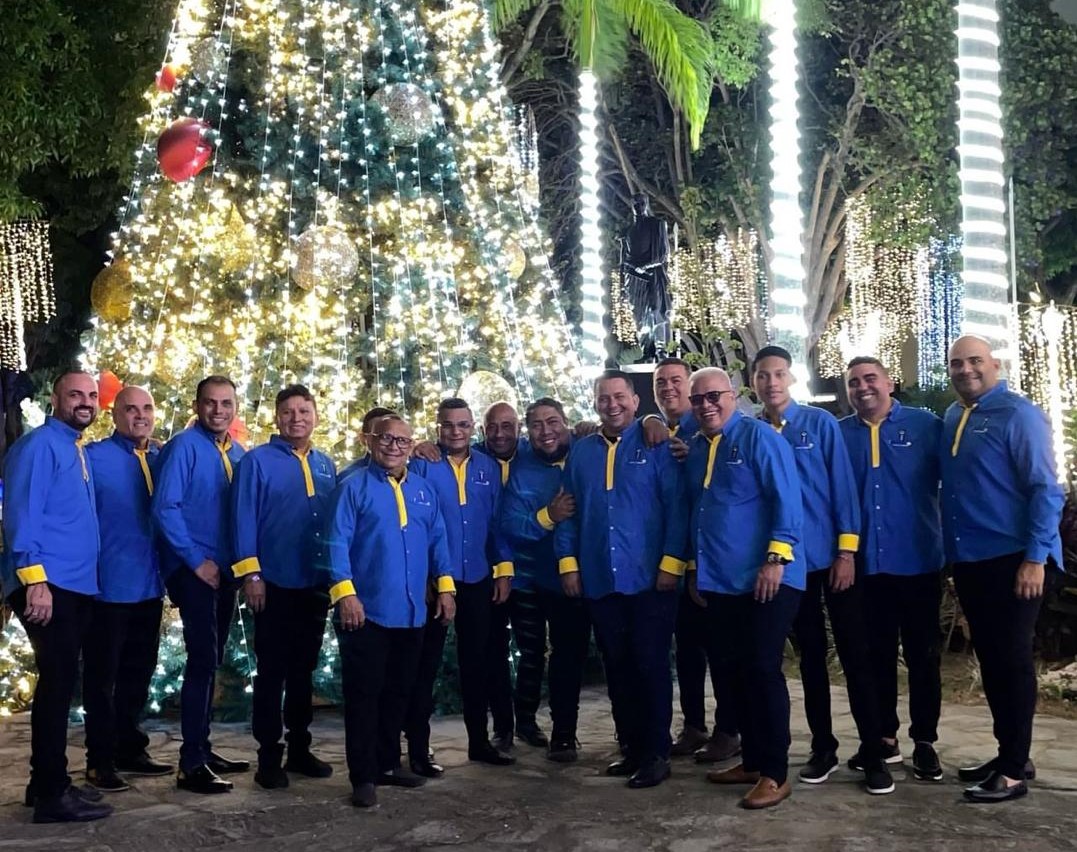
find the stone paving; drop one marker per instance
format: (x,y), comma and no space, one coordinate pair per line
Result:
(538,805)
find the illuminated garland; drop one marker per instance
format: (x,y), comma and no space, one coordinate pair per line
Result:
(26,291)
(941,311)
(1049,373)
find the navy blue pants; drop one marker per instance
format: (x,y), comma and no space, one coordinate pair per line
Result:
(694,655)
(634,634)
(207,616)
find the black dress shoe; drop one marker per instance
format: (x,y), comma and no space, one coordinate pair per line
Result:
(364,796)
(202,779)
(400,777)
(224,766)
(87,794)
(271,778)
(982,772)
(69,807)
(106,780)
(489,755)
(427,768)
(651,775)
(502,742)
(532,734)
(309,765)
(563,750)
(143,764)
(995,789)
(623,768)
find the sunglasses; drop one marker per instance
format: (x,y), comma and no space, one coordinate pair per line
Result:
(713,397)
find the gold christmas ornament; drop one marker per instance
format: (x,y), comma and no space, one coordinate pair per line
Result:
(208,59)
(482,389)
(410,115)
(238,246)
(110,293)
(324,254)
(517,259)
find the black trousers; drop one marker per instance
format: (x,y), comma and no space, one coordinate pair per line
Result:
(570,639)
(56,656)
(474,654)
(905,610)
(751,636)
(1002,627)
(512,703)
(119,658)
(378,671)
(847,623)
(634,634)
(420,704)
(288,636)
(693,639)
(207,615)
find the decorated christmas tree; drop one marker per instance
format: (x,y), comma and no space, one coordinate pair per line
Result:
(331,192)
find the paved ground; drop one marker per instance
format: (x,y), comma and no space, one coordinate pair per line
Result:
(538,805)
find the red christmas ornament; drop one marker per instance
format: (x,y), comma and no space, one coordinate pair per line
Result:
(166,78)
(239,433)
(182,152)
(108,386)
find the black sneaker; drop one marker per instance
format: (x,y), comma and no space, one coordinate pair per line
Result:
(69,807)
(819,767)
(689,741)
(925,763)
(531,734)
(106,781)
(877,778)
(143,764)
(563,750)
(271,778)
(400,777)
(889,753)
(86,793)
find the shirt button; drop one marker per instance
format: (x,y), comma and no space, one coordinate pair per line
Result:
(878,507)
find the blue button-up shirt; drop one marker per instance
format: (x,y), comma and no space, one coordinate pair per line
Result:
(50,514)
(191,507)
(630,516)
(686,428)
(831,504)
(350,469)
(527,525)
(128,567)
(387,543)
(745,503)
(896,466)
(470,498)
(1000,492)
(506,466)
(280,499)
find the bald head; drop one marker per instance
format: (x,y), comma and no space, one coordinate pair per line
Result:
(501,429)
(973,369)
(133,413)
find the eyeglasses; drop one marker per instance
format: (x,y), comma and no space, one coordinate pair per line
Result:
(713,397)
(403,442)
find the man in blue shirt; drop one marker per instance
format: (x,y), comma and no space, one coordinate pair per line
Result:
(623,551)
(280,497)
(191,511)
(388,553)
(831,538)
(369,419)
(468,488)
(50,578)
(121,648)
(746,524)
(671,380)
(1001,508)
(894,452)
(533,504)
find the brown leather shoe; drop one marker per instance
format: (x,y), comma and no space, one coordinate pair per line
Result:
(737,775)
(766,794)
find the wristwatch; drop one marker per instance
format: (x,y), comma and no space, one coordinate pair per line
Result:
(777,559)
(255,578)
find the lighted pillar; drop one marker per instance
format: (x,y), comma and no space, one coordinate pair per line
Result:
(592,274)
(987,307)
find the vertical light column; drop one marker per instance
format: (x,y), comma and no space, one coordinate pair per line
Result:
(592,274)
(987,308)
(1052,322)
(787,300)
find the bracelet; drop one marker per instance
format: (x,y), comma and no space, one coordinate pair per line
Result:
(255,578)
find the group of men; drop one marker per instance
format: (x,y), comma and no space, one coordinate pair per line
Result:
(726,530)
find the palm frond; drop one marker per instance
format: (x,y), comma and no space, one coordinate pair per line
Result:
(504,12)
(682,53)
(749,10)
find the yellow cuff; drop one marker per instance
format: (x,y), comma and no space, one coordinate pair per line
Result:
(446,584)
(782,549)
(341,590)
(690,565)
(568,565)
(503,569)
(848,541)
(672,565)
(31,574)
(250,565)
(544,519)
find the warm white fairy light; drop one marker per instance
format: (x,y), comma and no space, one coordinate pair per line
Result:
(1053,323)
(592,275)
(987,307)
(26,290)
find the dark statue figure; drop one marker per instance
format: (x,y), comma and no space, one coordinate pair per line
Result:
(644,256)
